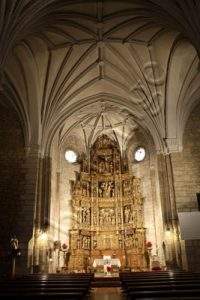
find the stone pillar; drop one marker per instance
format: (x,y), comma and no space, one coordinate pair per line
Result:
(44,191)
(172,234)
(26,218)
(41,220)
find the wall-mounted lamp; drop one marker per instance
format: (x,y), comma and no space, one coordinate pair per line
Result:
(168,233)
(43,237)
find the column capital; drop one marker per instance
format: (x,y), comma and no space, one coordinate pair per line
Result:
(171,145)
(33,150)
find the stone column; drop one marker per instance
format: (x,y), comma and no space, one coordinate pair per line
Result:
(45,189)
(172,241)
(42,215)
(26,218)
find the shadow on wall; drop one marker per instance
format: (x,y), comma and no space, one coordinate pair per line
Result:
(12,176)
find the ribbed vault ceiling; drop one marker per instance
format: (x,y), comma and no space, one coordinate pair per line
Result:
(100,118)
(60,60)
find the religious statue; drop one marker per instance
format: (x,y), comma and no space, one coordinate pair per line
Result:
(14,245)
(113,219)
(15,252)
(84,190)
(94,243)
(94,218)
(108,189)
(88,188)
(100,192)
(101,167)
(107,216)
(134,217)
(78,242)
(86,242)
(118,189)
(120,244)
(103,189)
(95,189)
(126,188)
(129,241)
(119,217)
(127,214)
(86,215)
(112,192)
(101,218)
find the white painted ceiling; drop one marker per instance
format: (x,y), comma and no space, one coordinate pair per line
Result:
(95,66)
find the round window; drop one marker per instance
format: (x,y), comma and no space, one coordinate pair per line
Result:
(139,154)
(70,156)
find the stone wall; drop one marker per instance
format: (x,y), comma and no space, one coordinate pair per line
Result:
(148,173)
(60,207)
(12,176)
(186,172)
(62,174)
(186,165)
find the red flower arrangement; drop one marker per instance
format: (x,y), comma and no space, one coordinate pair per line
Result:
(64,246)
(148,244)
(109,268)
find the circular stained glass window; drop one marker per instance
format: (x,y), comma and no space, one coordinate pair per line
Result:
(70,156)
(139,154)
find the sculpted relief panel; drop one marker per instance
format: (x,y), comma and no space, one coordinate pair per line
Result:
(107,216)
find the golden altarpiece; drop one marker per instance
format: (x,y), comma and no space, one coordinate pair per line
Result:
(107,209)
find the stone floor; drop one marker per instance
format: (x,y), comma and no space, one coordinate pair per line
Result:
(106,293)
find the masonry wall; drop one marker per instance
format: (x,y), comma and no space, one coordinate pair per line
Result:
(186,172)
(11,179)
(186,165)
(148,173)
(63,173)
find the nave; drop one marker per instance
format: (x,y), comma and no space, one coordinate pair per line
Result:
(107,293)
(162,285)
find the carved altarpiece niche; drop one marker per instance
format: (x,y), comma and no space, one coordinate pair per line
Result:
(107,210)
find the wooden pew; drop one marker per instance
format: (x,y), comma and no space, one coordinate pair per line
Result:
(161,285)
(164,293)
(73,287)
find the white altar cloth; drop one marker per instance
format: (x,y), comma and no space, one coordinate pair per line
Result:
(102,262)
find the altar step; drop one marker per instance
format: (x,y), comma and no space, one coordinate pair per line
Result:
(106,282)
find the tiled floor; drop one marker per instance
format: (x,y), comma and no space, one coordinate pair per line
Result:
(106,294)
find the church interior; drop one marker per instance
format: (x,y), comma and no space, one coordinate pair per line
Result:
(99,148)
